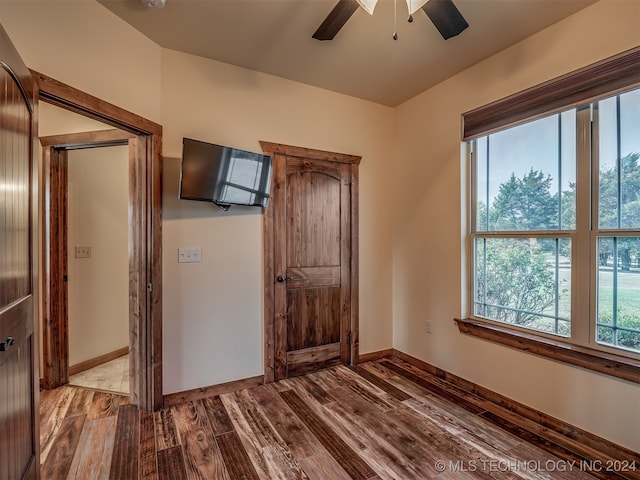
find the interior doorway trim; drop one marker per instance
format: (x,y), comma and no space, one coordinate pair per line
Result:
(145,237)
(269,233)
(55,333)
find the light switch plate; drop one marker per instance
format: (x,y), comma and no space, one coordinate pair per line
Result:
(82,252)
(189,254)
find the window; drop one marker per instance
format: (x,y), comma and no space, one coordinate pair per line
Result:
(524,219)
(555,215)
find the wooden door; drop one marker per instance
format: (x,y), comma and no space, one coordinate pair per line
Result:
(19,445)
(311,207)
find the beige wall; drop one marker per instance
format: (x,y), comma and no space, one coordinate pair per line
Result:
(98,218)
(428,243)
(212,310)
(81,43)
(54,120)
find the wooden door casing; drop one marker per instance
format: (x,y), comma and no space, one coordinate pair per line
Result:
(55,332)
(310,321)
(19,446)
(55,346)
(145,237)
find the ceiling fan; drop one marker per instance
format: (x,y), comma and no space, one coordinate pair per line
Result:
(443,13)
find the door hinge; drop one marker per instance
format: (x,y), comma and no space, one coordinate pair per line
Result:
(349,338)
(149,287)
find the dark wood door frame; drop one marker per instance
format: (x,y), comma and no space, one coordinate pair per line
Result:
(55,337)
(145,240)
(269,230)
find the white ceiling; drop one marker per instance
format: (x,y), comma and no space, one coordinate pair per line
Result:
(274,36)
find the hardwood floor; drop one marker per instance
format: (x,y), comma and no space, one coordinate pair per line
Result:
(383,419)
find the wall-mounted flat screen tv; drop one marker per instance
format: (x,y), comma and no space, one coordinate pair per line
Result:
(223,175)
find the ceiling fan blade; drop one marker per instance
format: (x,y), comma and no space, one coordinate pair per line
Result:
(446,17)
(336,19)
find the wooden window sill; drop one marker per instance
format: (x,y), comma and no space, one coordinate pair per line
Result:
(602,362)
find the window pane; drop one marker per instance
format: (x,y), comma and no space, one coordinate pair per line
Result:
(568,170)
(619,156)
(525,176)
(482,186)
(618,301)
(524,281)
(480,278)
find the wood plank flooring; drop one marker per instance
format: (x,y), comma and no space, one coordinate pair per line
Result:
(383,419)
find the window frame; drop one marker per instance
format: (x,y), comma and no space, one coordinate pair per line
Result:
(575,90)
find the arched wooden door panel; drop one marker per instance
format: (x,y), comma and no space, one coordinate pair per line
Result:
(19,444)
(309,269)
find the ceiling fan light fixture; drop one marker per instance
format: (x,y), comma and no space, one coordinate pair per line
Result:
(414,5)
(368,5)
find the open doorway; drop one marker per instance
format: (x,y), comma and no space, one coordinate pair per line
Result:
(144,139)
(87,197)
(98,266)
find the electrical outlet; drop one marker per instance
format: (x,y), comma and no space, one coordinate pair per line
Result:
(189,255)
(82,252)
(429,326)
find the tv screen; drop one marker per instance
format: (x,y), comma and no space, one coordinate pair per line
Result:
(223,175)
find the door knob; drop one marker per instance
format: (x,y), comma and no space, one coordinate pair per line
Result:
(282,278)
